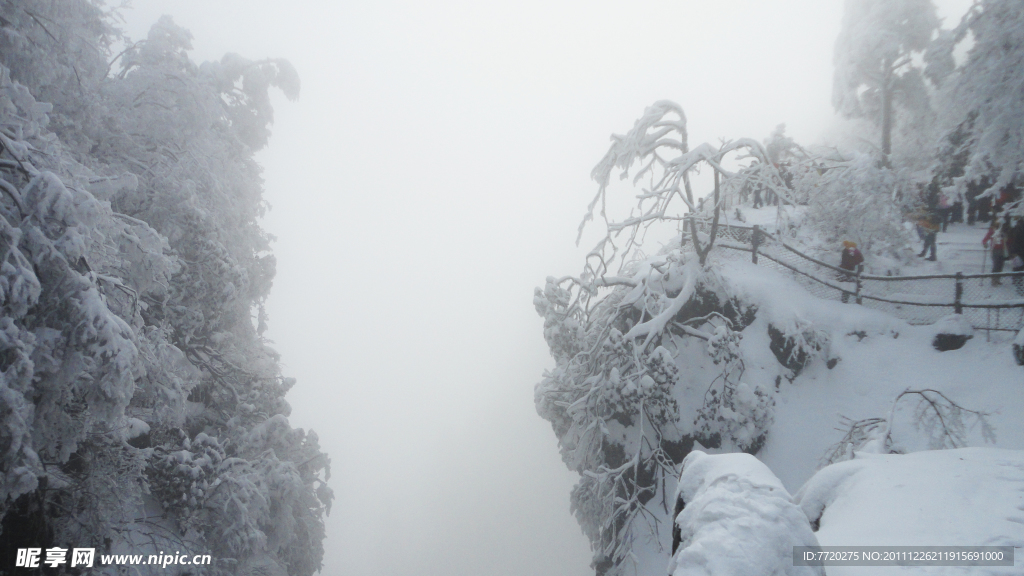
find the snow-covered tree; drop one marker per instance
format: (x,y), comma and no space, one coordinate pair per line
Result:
(648,356)
(658,144)
(798,169)
(874,63)
(861,201)
(782,148)
(133,372)
(982,105)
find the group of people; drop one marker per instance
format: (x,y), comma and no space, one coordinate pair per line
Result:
(764,195)
(983,207)
(939,211)
(1006,239)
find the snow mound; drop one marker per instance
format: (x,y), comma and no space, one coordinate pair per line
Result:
(135,428)
(957,324)
(964,497)
(737,519)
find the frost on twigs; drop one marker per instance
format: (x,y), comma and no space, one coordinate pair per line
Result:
(658,148)
(860,200)
(940,424)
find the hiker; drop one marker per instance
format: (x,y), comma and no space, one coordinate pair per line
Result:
(929,228)
(974,208)
(850,259)
(956,215)
(997,235)
(1015,250)
(944,210)
(1007,194)
(984,209)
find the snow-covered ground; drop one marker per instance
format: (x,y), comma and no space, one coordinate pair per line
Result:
(966,497)
(879,357)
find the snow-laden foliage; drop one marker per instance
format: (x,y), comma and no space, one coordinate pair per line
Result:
(797,168)
(740,413)
(861,201)
(874,64)
(620,399)
(133,273)
(848,198)
(854,198)
(658,146)
(982,104)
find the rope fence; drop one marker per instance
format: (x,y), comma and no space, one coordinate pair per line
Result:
(990,302)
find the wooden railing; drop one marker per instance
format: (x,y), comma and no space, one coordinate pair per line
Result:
(919,299)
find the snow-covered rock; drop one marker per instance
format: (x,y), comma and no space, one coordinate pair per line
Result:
(952,332)
(135,428)
(965,497)
(736,519)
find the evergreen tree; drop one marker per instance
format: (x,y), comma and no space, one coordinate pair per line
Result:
(133,373)
(874,63)
(982,106)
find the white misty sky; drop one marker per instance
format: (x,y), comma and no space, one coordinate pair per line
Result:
(432,174)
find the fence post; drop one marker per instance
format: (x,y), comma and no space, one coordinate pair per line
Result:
(755,241)
(957,305)
(860,268)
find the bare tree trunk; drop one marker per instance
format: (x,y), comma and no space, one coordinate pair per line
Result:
(887,81)
(702,253)
(714,222)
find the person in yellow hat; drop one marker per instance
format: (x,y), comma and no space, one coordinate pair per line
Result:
(929,225)
(850,259)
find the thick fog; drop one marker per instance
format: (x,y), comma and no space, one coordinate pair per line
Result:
(433,172)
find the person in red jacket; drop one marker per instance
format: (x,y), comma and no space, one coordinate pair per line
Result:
(850,259)
(997,237)
(1015,252)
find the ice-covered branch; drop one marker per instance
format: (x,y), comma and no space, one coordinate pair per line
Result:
(658,144)
(945,421)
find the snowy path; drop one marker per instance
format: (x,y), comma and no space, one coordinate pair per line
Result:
(958,249)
